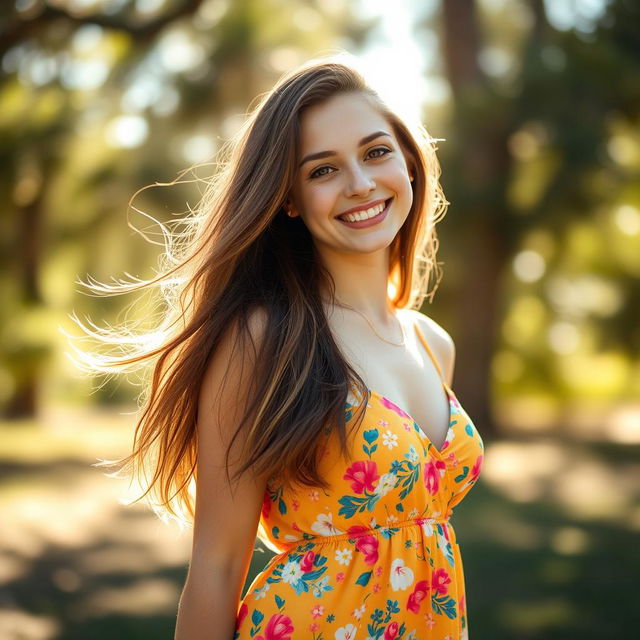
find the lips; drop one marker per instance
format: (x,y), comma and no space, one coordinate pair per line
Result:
(374,204)
(368,222)
(364,207)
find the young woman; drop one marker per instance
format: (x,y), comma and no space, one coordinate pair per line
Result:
(299,390)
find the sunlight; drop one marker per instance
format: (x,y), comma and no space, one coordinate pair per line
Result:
(393,59)
(144,597)
(569,541)
(126,132)
(529,265)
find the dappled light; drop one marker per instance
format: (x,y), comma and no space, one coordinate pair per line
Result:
(535,110)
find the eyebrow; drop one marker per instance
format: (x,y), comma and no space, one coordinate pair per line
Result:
(327,154)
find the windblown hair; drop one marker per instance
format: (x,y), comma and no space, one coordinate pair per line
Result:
(242,252)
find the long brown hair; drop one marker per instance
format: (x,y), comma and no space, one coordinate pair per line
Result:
(240,251)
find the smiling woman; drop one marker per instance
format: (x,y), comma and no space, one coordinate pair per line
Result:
(370,173)
(296,299)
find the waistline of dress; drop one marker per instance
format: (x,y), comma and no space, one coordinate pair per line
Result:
(375,531)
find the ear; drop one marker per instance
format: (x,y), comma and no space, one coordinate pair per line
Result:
(290,209)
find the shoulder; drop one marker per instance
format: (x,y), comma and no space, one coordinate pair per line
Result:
(238,346)
(439,340)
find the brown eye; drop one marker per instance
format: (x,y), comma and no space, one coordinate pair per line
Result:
(316,173)
(384,149)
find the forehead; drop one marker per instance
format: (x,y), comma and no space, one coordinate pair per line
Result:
(338,122)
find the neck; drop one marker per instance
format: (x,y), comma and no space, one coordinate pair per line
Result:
(361,282)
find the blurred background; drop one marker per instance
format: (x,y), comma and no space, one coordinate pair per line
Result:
(538,106)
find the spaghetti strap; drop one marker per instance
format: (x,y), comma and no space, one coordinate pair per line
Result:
(433,358)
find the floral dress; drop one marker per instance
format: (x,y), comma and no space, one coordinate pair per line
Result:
(376,556)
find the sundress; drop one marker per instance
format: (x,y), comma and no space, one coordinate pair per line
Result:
(375,557)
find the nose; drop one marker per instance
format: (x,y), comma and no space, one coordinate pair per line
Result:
(359,182)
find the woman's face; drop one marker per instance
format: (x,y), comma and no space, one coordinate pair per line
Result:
(350,159)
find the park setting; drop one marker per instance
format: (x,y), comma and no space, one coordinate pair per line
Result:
(113,115)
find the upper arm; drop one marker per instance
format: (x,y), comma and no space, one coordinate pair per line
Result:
(441,343)
(226,515)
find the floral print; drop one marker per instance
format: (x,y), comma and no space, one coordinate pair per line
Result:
(375,557)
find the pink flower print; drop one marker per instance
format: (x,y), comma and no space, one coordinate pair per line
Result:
(242,614)
(313,627)
(385,402)
(362,475)
(376,587)
(440,580)
(432,475)
(314,495)
(368,545)
(417,596)
(295,505)
(306,564)
(356,529)
(378,571)
(339,576)
(475,471)
(429,620)
(266,505)
(461,604)
(391,631)
(279,627)
(317,611)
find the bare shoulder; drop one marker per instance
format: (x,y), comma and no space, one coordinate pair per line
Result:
(439,340)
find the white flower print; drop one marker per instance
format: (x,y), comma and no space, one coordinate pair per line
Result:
(413,513)
(348,632)
(324,525)
(343,556)
(401,577)
(262,592)
(291,572)
(392,518)
(291,538)
(358,612)
(389,439)
(385,484)
(427,528)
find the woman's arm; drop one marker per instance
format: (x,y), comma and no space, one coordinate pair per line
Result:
(225,523)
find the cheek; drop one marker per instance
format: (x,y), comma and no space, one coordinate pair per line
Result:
(320,201)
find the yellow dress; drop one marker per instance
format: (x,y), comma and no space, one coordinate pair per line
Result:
(376,556)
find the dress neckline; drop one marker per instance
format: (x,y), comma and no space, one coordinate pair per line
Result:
(421,431)
(400,411)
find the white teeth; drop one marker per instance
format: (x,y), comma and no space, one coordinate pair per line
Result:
(364,215)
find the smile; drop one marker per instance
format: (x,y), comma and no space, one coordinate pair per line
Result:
(368,218)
